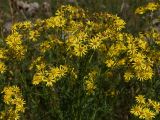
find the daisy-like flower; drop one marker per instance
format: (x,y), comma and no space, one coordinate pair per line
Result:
(140,99)
(128,76)
(95,42)
(136,110)
(148,114)
(80,50)
(110,63)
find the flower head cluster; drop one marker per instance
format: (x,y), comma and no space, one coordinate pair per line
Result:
(145,108)
(72,33)
(72,42)
(13,99)
(26,25)
(14,42)
(50,76)
(90,84)
(149,7)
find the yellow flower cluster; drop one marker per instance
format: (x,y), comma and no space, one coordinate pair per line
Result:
(119,23)
(50,76)
(139,63)
(77,31)
(71,32)
(152,6)
(145,108)
(90,85)
(14,42)
(76,44)
(15,103)
(57,21)
(60,19)
(154,35)
(26,25)
(72,42)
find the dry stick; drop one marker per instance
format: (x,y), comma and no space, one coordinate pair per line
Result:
(11,10)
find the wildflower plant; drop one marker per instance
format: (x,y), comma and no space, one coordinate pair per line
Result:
(145,109)
(78,65)
(14,103)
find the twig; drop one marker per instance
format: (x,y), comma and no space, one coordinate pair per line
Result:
(11,10)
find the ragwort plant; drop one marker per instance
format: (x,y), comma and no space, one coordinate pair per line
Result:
(78,66)
(146,108)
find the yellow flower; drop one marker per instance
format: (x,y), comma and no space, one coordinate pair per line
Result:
(152,6)
(55,74)
(144,74)
(136,110)
(128,76)
(14,40)
(81,36)
(41,67)
(132,48)
(19,102)
(58,72)
(33,35)
(95,42)
(12,114)
(49,81)
(19,52)
(140,99)
(21,26)
(141,43)
(116,49)
(120,37)
(139,65)
(119,23)
(50,76)
(148,114)
(80,50)
(121,62)
(155,105)
(44,46)
(140,10)
(39,77)
(110,63)
(57,21)
(138,61)
(14,43)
